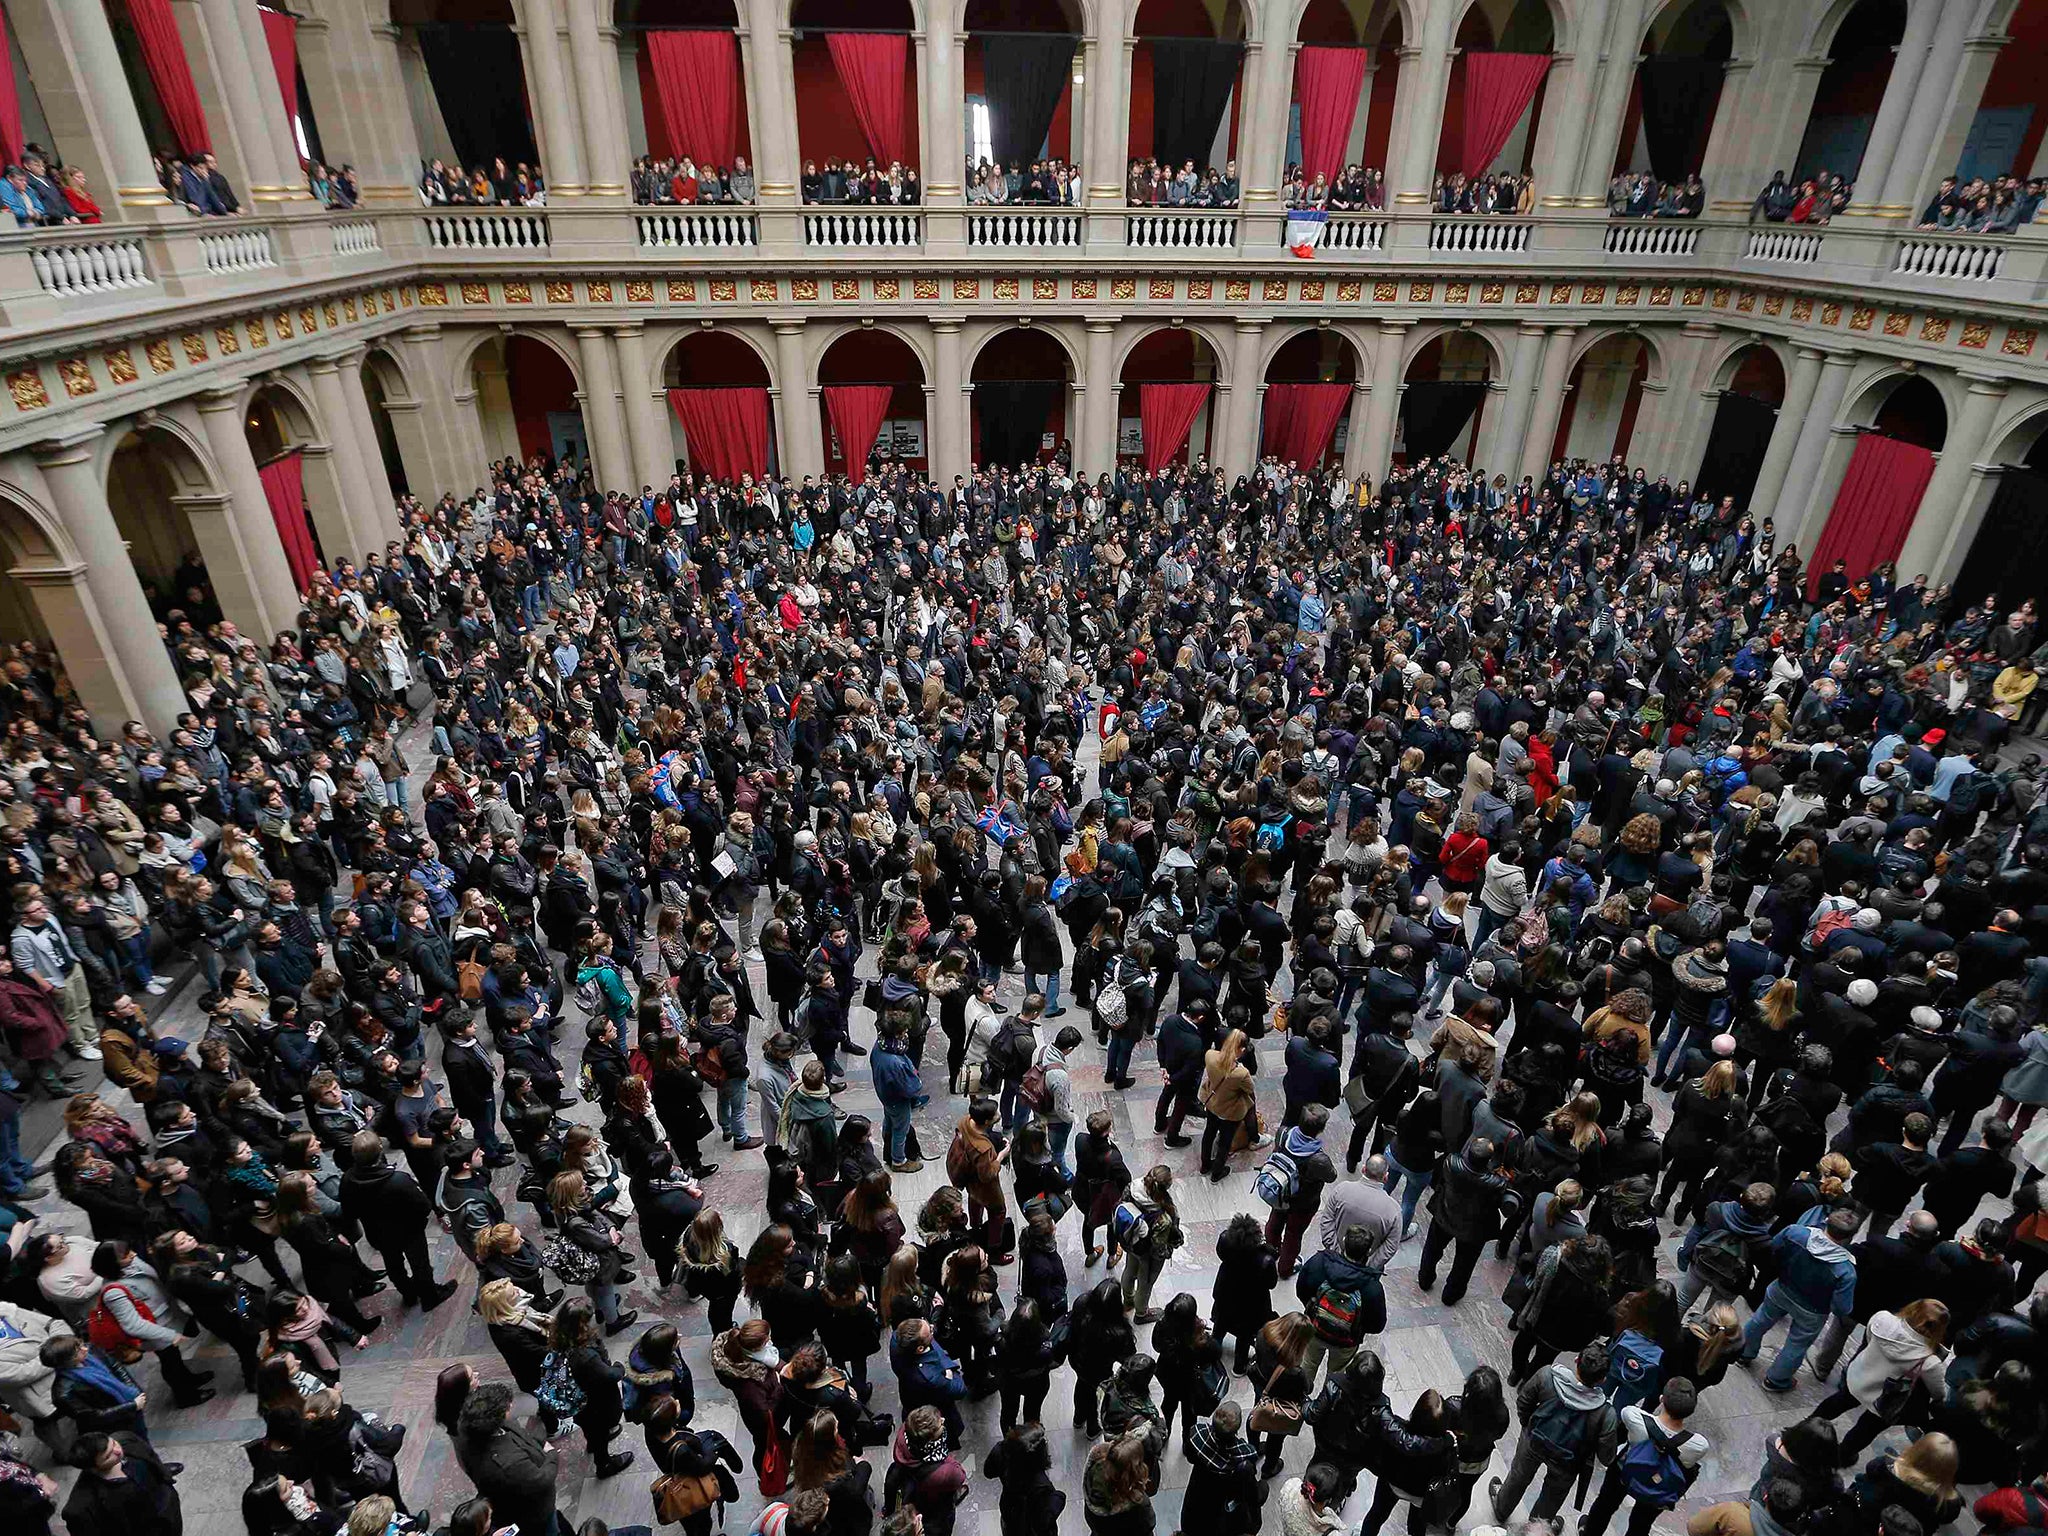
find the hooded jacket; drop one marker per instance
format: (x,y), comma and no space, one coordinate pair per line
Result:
(1816,1270)
(1333,1270)
(1895,1350)
(1559,1382)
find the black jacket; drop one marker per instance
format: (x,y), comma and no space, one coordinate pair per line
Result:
(517,1473)
(1467,1199)
(388,1203)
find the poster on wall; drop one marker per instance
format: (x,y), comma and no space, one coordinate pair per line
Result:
(904,438)
(1343,435)
(1130,437)
(1047,442)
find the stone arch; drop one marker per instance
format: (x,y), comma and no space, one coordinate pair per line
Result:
(1726,359)
(1400,11)
(2015,437)
(1497,362)
(1741,24)
(1361,361)
(166,497)
(1563,29)
(1867,399)
(31,535)
(465,353)
(297,419)
(1820,37)
(918,344)
(1086,27)
(1595,336)
(660,359)
(390,371)
(1002,328)
(1215,341)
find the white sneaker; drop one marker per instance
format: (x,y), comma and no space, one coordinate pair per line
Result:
(1407,1231)
(158,987)
(88,1053)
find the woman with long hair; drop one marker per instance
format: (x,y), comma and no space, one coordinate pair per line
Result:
(1905,1357)
(1706,1347)
(1228,1097)
(577,1340)
(1701,1116)
(1921,1480)
(1766,1037)
(1412,1464)
(781,1286)
(871,1225)
(1479,1417)
(1101,1339)
(520,1332)
(1115,1484)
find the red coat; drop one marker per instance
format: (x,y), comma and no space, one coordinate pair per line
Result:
(1542,771)
(1464,858)
(35,1029)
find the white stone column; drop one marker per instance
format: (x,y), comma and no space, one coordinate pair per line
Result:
(138,669)
(598,95)
(383,501)
(943,87)
(255,107)
(547,87)
(1794,510)
(359,512)
(1109,120)
(1948,519)
(1599,112)
(1384,403)
(1548,406)
(1247,390)
(769,70)
(355,75)
(1881,149)
(803,448)
(646,413)
(603,418)
(269,574)
(1419,122)
(1268,81)
(1358,427)
(950,446)
(1918,167)
(1096,453)
(70,52)
(1511,420)
(1770,476)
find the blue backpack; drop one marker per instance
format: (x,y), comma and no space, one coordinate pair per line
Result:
(1651,1470)
(1273,834)
(1635,1369)
(558,1394)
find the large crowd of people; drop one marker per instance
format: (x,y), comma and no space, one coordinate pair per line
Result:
(1640,195)
(1563,859)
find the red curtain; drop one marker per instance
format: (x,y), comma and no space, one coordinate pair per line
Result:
(1301,419)
(697,81)
(1327,83)
(727,429)
(284,486)
(282,33)
(1498,90)
(1874,509)
(163,55)
(1167,411)
(10,99)
(872,67)
(857,411)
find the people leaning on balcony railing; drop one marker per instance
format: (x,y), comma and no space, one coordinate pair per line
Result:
(518,185)
(660,180)
(335,189)
(1639,195)
(1494,193)
(1993,207)
(1813,201)
(862,185)
(197,184)
(1043,182)
(1152,185)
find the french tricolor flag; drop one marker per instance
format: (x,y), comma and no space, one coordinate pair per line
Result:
(1305,228)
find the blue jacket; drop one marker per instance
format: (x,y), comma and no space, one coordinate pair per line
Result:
(932,1378)
(1722,1215)
(895,1075)
(1816,1270)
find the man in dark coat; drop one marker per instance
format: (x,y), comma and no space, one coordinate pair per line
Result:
(393,1211)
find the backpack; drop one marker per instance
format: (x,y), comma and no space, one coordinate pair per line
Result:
(1651,1470)
(105,1333)
(1634,1369)
(1563,1434)
(1034,1090)
(1011,1050)
(1129,1224)
(590,996)
(1278,1179)
(1721,1259)
(1338,1313)
(1272,836)
(1111,1006)
(1617,1059)
(559,1393)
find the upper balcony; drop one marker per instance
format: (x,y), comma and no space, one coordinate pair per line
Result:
(55,281)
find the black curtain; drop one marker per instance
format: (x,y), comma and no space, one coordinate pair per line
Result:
(1434,413)
(2010,553)
(1736,447)
(1192,79)
(1013,417)
(1678,111)
(1023,76)
(479,84)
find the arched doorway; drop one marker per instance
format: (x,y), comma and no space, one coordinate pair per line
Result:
(1019,73)
(874,46)
(1022,380)
(1902,423)
(1603,396)
(1349,58)
(1677,91)
(1851,90)
(1913,412)
(394,417)
(2007,562)
(1443,397)
(1745,417)
(1171,356)
(527,401)
(692,47)
(872,387)
(1186,83)
(162,496)
(465,81)
(1305,411)
(712,371)
(1479,86)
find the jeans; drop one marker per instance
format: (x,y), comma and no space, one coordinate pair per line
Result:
(398,793)
(530,605)
(1673,1047)
(15,1170)
(1057,1132)
(1050,991)
(1489,921)
(895,1129)
(1642,1514)
(1557,1483)
(1141,1273)
(732,1109)
(136,952)
(1411,1196)
(1805,1328)
(482,1115)
(1120,1048)
(605,1297)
